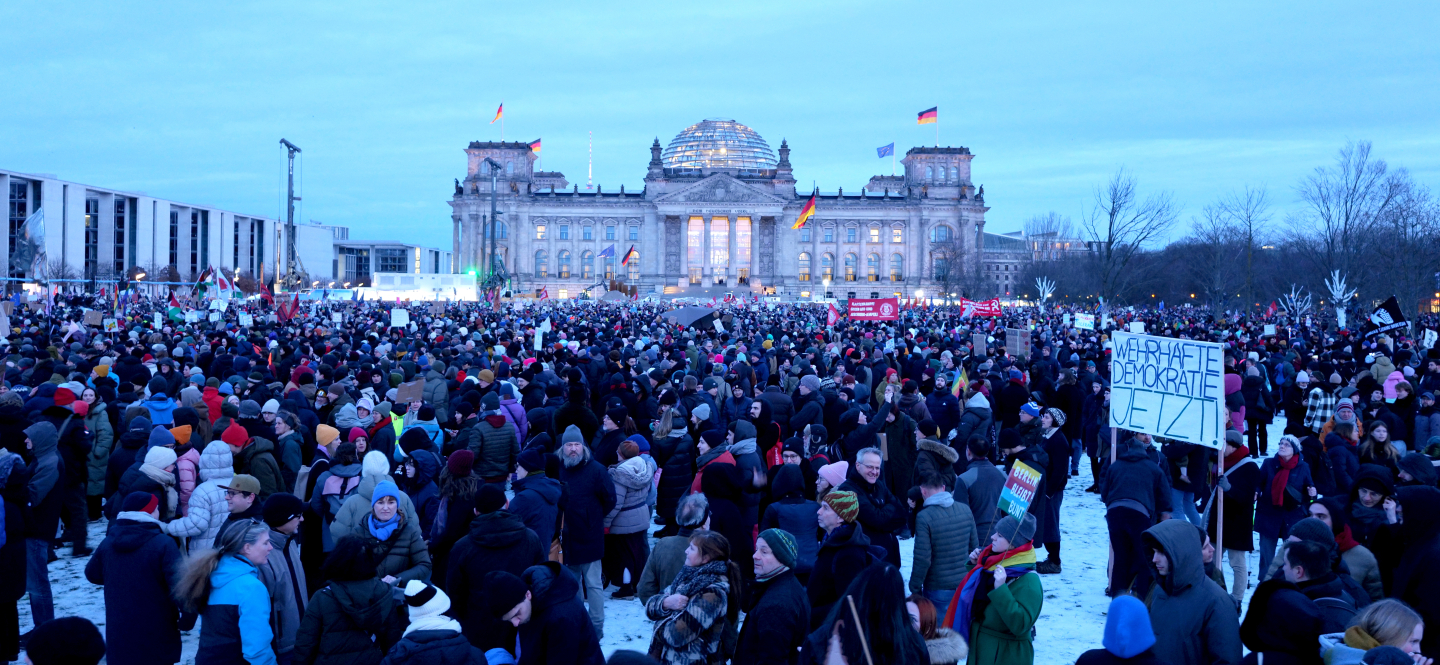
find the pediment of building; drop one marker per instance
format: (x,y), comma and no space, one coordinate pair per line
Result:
(720,188)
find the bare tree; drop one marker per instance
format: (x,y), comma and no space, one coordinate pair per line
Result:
(1051,224)
(1342,204)
(1211,254)
(1406,244)
(1247,212)
(1121,225)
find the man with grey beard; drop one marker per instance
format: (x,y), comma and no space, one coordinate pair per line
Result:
(591,495)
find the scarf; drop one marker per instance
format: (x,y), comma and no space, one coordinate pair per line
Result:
(1345,540)
(772,574)
(1236,457)
(1017,561)
(691,580)
(438,622)
(382,530)
(1282,478)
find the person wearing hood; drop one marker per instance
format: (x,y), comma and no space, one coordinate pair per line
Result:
(14,491)
(742,445)
(138,566)
(932,456)
(626,525)
(254,456)
(1194,619)
(123,456)
(74,443)
(416,476)
(459,491)
(675,452)
(544,605)
(861,429)
(1416,469)
(46,495)
(495,443)
(357,506)
(1356,558)
(792,513)
(843,554)
(983,482)
(998,602)
(513,411)
(1282,625)
(224,588)
(207,510)
(1128,638)
(155,475)
(160,407)
(498,540)
(431,637)
(97,421)
(437,391)
(1373,490)
(289,444)
(354,619)
(1414,578)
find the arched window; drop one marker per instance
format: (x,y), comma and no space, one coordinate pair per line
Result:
(850,260)
(563,258)
(827,265)
(897,267)
(541,263)
(940,234)
(804,266)
(872,267)
(955,173)
(634,266)
(610,267)
(509,168)
(941,264)
(587,264)
(484,166)
(504,230)
(929,173)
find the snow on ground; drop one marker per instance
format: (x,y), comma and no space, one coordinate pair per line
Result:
(1071,622)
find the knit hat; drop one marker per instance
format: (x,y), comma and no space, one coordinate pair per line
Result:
(701,411)
(1031,409)
(1381,655)
(357,432)
(63,397)
(325,434)
(1302,377)
(65,641)
(139,424)
(928,428)
(1345,411)
(225,388)
(489,498)
(143,502)
(249,409)
(382,490)
(271,406)
(235,435)
(503,591)
(1057,415)
(181,434)
(1315,531)
(487,376)
(282,507)
(531,460)
(424,600)
(460,463)
(835,473)
(159,457)
(572,435)
(366,403)
(1234,438)
(782,544)
(242,482)
(713,438)
(1016,531)
(810,382)
(490,402)
(617,414)
(847,506)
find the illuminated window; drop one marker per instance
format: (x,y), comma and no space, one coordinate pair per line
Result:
(897,267)
(897,235)
(850,260)
(609,267)
(872,267)
(804,266)
(539,231)
(634,266)
(827,265)
(719,241)
(874,234)
(541,263)
(564,293)
(695,243)
(587,264)
(742,242)
(563,258)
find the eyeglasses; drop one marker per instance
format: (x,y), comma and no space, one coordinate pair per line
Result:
(230,493)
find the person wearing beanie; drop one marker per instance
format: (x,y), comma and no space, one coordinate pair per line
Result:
(1194,622)
(138,566)
(254,456)
(154,475)
(431,636)
(498,541)
(392,531)
(46,494)
(591,496)
(606,447)
(545,607)
(357,507)
(495,442)
(845,551)
(831,476)
(779,616)
(537,495)
(283,573)
(161,407)
(355,618)
(999,600)
(437,392)
(1128,637)
(71,641)
(208,507)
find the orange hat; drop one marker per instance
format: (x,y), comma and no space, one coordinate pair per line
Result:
(325,434)
(182,434)
(102,370)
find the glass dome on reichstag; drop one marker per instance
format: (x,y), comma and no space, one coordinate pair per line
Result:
(717,143)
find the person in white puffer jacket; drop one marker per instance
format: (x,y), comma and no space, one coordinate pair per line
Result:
(208,509)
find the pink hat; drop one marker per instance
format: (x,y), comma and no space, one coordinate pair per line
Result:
(835,473)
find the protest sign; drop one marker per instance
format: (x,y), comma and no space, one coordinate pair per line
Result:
(247,320)
(980,341)
(193,316)
(159,319)
(1019,490)
(399,318)
(437,309)
(1168,387)
(1269,330)
(1137,327)
(111,325)
(93,317)
(337,317)
(7,307)
(1429,340)
(874,309)
(214,316)
(1085,321)
(410,392)
(1017,342)
(219,305)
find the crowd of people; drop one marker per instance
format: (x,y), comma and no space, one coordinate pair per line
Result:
(475,485)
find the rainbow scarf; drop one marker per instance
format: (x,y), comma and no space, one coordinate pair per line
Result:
(1017,561)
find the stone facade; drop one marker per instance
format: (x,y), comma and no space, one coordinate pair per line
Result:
(718,225)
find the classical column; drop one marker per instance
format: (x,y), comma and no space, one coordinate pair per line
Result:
(731,273)
(706,270)
(862,262)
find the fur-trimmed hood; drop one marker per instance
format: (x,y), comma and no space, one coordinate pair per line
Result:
(938,448)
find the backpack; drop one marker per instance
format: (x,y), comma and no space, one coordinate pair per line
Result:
(437,528)
(1336,612)
(335,490)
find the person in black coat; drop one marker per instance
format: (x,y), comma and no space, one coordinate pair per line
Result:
(674,451)
(881,513)
(431,638)
(125,452)
(588,497)
(845,552)
(544,603)
(722,486)
(138,566)
(498,540)
(13,487)
(777,611)
(1281,625)
(1415,578)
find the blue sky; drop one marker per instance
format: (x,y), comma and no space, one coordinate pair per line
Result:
(1051,97)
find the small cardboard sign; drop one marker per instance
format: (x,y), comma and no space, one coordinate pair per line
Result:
(437,309)
(7,308)
(979,341)
(337,317)
(1430,338)
(1137,327)
(399,318)
(1269,330)
(247,320)
(214,316)
(94,317)
(1019,491)
(111,325)
(410,392)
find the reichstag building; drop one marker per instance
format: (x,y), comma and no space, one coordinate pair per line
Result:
(716,215)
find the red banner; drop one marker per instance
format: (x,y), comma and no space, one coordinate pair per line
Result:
(989,307)
(874,309)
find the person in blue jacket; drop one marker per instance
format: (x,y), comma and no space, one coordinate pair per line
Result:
(223,585)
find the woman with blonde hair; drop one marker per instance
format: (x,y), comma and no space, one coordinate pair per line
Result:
(1384,623)
(223,585)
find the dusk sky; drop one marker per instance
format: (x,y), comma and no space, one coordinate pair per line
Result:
(188,103)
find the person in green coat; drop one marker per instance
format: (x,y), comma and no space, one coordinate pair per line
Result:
(1000,599)
(98,422)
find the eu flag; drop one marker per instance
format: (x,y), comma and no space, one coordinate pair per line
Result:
(885,150)
(608,252)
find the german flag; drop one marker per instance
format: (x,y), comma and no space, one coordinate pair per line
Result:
(628,253)
(929,116)
(805,213)
(535,146)
(501,112)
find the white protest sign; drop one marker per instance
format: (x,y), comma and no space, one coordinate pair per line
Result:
(214,317)
(1137,327)
(399,318)
(1167,387)
(337,317)
(1429,339)
(247,320)
(1085,321)
(111,325)
(158,320)
(192,316)
(719,327)
(1269,330)
(219,305)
